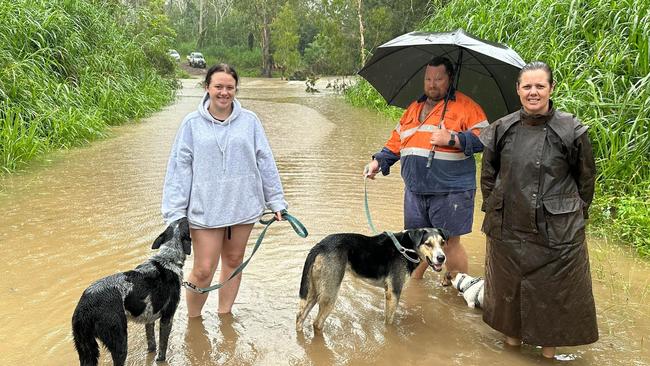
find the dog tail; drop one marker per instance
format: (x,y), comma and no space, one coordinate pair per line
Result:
(83,332)
(304,283)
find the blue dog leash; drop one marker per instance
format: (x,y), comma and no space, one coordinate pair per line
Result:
(297,226)
(404,251)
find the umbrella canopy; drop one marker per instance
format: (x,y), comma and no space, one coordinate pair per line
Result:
(487,73)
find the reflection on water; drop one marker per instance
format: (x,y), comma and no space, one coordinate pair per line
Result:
(94,211)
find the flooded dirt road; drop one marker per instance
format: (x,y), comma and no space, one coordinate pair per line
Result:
(94,211)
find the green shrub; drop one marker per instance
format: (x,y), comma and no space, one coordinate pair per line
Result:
(598,51)
(362,94)
(70,68)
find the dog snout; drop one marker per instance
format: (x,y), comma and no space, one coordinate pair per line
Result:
(440,258)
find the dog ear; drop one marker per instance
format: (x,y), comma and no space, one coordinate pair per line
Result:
(184,229)
(444,233)
(163,237)
(415,235)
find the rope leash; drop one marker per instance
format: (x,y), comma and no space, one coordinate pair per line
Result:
(404,251)
(297,226)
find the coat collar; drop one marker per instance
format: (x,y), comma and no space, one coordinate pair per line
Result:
(536,119)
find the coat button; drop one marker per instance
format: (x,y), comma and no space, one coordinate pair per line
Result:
(534,195)
(537,162)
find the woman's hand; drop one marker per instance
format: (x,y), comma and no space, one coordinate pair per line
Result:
(278,215)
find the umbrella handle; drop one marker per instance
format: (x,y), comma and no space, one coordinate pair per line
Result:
(431,153)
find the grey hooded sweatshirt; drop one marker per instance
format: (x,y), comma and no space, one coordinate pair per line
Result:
(221,173)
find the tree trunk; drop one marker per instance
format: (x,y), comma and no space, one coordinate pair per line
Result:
(362,41)
(200,37)
(266,47)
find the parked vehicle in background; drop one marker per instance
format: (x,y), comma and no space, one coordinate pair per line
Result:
(175,55)
(195,59)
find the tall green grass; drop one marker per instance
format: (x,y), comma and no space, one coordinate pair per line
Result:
(362,94)
(68,69)
(598,50)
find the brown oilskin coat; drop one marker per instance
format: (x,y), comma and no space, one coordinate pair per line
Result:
(537,181)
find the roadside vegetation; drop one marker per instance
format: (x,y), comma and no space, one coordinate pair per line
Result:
(293,39)
(69,69)
(599,53)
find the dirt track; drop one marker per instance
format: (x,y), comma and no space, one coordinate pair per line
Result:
(191,70)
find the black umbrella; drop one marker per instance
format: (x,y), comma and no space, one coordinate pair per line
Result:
(486,71)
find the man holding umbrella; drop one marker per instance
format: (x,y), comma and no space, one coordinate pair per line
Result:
(435,140)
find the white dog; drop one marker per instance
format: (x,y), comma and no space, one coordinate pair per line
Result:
(471,288)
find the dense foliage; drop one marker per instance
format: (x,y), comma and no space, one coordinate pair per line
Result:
(70,68)
(598,50)
(290,38)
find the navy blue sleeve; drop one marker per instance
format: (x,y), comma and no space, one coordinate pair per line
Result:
(469,143)
(386,159)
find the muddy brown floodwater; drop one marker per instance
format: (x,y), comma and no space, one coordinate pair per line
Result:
(93,211)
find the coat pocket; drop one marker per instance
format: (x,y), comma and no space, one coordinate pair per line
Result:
(563,216)
(493,221)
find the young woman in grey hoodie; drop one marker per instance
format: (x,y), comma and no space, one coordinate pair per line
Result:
(221,175)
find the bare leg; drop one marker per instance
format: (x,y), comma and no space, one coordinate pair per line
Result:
(418,273)
(207,244)
(456,258)
(232,256)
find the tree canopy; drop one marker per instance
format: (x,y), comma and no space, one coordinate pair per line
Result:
(289,37)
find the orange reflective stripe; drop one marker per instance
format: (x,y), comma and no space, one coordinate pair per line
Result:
(462,114)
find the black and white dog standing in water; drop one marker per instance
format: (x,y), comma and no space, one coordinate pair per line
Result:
(371,258)
(472,288)
(149,292)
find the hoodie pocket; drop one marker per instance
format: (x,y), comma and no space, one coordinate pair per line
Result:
(563,215)
(227,201)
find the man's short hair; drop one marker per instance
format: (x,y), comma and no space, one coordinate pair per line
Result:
(441,60)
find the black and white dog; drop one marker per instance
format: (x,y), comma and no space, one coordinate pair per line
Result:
(149,292)
(372,258)
(472,289)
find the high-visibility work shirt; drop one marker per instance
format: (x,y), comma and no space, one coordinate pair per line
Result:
(453,169)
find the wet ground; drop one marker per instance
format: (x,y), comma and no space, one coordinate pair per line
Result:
(93,211)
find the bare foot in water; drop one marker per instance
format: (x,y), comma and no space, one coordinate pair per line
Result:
(512,341)
(548,352)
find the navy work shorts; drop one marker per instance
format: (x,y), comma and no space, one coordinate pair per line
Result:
(452,211)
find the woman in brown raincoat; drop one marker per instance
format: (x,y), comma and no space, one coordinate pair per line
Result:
(537,181)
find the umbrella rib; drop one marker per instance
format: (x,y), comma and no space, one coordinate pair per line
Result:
(484,66)
(503,97)
(397,49)
(467,65)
